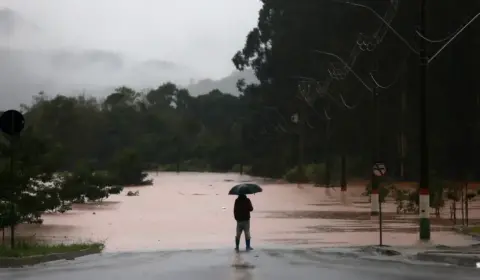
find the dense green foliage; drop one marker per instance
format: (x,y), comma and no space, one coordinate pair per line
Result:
(281,48)
(133,131)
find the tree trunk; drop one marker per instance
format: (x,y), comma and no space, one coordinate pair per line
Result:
(12,236)
(462,207)
(402,136)
(466,204)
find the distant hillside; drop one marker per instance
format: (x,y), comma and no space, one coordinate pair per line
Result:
(227,84)
(27,68)
(24,73)
(11,24)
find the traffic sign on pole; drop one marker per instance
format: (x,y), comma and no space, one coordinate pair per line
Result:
(12,122)
(379,169)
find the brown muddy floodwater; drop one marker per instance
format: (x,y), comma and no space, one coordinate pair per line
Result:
(193,210)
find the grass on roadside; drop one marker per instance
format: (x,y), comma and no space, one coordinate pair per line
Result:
(26,249)
(474,229)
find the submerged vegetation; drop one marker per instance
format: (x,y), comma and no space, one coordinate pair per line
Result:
(25,249)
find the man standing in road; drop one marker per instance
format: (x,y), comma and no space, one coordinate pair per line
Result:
(241,211)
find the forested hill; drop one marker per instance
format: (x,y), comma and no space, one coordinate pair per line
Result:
(227,84)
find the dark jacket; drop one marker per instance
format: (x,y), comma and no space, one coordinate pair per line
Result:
(243,207)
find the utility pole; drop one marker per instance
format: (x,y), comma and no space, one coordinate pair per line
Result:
(424,195)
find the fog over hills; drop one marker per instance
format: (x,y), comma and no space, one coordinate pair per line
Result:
(31,62)
(227,84)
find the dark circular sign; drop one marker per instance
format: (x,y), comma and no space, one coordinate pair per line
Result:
(12,122)
(379,169)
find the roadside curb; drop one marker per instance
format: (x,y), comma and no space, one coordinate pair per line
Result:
(381,250)
(7,262)
(464,230)
(459,256)
(468,259)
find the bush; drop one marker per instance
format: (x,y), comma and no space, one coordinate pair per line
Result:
(268,168)
(315,173)
(26,249)
(193,165)
(358,167)
(84,185)
(237,168)
(126,169)
(385,186)
(295,176)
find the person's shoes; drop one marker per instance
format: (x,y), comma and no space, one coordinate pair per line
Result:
(247,242)
(237,244)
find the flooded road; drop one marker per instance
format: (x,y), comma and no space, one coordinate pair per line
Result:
(193,210)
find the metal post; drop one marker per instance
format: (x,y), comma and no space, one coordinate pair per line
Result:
(375,199)
(424,195)
(377,155)
(12,123)
(12,204)
(466,204)
(13,215)
(462,205)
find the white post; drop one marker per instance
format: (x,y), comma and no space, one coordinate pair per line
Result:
(375,203)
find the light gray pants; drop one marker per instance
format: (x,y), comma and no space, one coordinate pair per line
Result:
(243,226)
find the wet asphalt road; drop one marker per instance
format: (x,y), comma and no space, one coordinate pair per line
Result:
(222,264)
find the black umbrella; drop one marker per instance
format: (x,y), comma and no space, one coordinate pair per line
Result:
(245,189)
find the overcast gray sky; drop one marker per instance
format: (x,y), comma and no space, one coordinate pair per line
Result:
(200,34)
